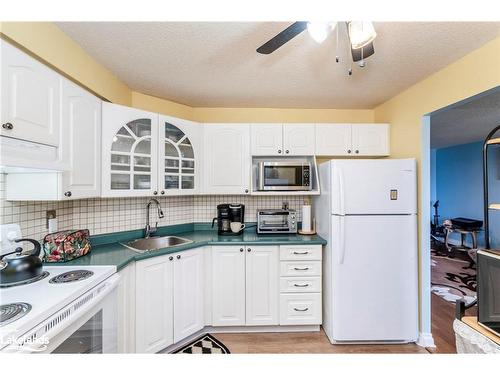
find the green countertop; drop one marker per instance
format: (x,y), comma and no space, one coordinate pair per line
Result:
(108,250)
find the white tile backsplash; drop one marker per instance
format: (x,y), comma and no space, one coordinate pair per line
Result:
(105,215)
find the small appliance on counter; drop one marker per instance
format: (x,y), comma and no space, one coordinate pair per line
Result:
(275,221)
(66,245)
(230,219)
(21,267)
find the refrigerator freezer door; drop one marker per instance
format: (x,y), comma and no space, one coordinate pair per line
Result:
(374,187)
(374,286)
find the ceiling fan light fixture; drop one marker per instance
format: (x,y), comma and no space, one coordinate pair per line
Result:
(319,31)
(361,33)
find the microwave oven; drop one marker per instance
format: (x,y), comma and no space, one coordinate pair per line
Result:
(488,289)
(284,175)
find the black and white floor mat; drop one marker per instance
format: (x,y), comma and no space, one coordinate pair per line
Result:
(206,344)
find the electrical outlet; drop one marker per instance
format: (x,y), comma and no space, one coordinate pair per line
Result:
(50,214)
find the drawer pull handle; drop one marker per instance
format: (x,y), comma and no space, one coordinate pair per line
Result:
(301,285)
(301,269)
(301,253)
(301,310)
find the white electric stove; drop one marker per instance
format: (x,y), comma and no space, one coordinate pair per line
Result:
(69,310)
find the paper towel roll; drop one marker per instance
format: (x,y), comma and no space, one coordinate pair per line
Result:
(306,218)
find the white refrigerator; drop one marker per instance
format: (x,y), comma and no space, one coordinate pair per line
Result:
(367,211)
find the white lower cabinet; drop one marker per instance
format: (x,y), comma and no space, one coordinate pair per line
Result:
(188,293)
(126,310)
(245,287)
(300,285)
(154,310)
(228,285)
(262,289)
(300,308)
(169,299)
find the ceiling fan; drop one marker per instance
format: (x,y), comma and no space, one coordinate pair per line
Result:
(360,34)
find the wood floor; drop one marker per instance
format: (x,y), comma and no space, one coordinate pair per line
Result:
(316,342)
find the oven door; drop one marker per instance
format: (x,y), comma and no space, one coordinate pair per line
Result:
(86,325)
(281,176)
(94,332)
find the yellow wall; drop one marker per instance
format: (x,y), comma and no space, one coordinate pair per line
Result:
(282,115)
(468,76)
(49,44)
(253,115)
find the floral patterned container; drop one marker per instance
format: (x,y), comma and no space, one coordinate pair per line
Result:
(66,245)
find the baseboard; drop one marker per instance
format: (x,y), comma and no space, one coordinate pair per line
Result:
(262,329)
(425,340)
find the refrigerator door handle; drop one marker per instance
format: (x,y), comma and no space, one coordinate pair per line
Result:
(341,191)
(342,239)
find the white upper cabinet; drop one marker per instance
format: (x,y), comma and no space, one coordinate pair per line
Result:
(228,285)
(267,139)
(370,139)
(352,140)
(275,139)
(333,139)
(30,98)
(226,159)
(180,146)
(80,142)
(298,139)
(262,288)
(188,293)
(129,151)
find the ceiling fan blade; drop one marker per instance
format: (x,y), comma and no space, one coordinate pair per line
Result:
(286,35)
(363,52)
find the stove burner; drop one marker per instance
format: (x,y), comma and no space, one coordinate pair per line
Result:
(43,275)
(70,276)
(12,312)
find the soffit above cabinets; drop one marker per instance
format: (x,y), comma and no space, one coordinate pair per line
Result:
(214,64)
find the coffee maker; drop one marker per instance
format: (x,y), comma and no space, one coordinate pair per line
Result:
(228,213)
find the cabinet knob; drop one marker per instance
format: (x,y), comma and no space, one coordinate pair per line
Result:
(249,249)
(162,192)
(8,126)
(349,151)
(170,258)
(241,250)
(67,194)
(178,257)
(155,192)
(287,151)
(246,190)
(279,151)
(357,151)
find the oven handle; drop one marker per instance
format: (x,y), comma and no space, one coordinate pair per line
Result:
(103,290)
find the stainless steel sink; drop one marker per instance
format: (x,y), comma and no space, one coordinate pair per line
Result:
(154,243)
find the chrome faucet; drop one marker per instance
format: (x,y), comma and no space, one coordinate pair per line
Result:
(148,231)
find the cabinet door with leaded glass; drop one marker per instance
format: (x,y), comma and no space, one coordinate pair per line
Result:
(179,164)
(130,151)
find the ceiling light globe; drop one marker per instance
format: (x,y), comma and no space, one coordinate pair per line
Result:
(319,31)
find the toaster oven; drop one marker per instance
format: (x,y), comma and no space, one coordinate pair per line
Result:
(276,221)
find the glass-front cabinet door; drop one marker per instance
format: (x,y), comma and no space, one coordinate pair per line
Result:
(130,151)
(179,163)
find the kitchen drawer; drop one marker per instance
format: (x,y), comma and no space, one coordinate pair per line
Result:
(300,284)
(300,308)
(300,252)
(296,268)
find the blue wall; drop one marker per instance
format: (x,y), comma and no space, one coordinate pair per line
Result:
(459,185)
